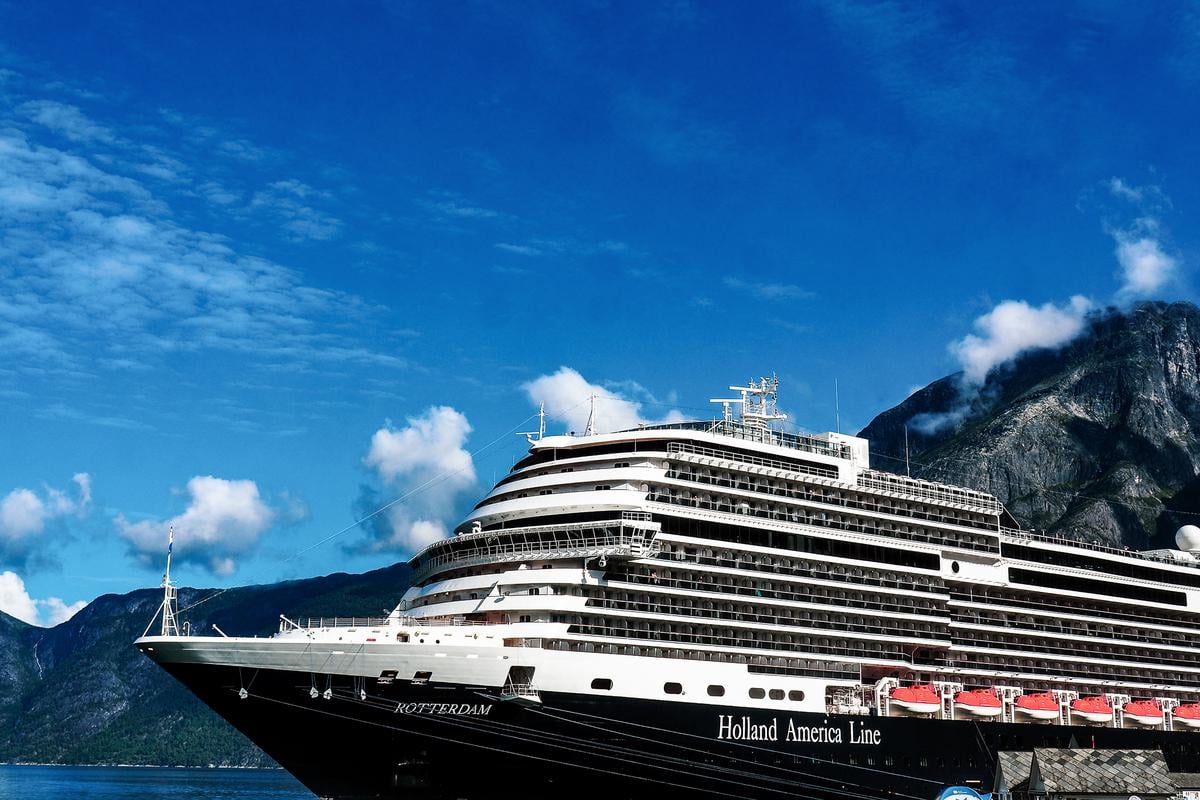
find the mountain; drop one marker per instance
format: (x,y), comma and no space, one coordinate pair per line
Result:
(1098,440)
(84,695)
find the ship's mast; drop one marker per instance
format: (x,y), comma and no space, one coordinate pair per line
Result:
(541,431)
(170,593)
(757,407)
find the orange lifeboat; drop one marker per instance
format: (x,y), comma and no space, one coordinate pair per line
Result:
(1188,714)
(1093,709)
(1038,706)
(1143,712)
(979,702)
(921,698)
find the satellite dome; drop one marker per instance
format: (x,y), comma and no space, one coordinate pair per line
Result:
(1188,538)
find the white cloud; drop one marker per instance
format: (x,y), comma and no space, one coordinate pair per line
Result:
(100,269)
(224,520)
(427,466)
(22,513)
(1015,327)
(566,394)
(1146,268)
(25,514)
(67,120)
(16,602)
(300,220)
(769,290)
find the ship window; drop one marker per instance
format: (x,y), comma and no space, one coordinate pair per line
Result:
(422,677)
(602,683)
(757,694)
(672,688)
(796,694)
(546,491)
(716,691)
(621,464)
(601,487)
(776,694)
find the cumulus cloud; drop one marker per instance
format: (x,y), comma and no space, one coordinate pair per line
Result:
(1015,327)
(25,515)
(1146,268)
(224,520)
(424,465)
(566,394)
(16,602)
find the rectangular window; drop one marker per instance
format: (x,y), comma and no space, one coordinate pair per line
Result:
(757,694)
(776,694)
(673,688)
(421,678)
(716,691)
(604,684)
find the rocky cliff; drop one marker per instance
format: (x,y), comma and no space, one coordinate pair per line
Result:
(1098,440)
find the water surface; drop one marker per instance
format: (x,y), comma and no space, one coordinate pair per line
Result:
(147,783)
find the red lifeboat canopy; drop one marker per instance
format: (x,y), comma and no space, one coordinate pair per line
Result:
(979,702)
(1040,706)
(1042,701)
(1143,712)
(1188,711)
(921,698)
(1092,709)
(1188,714)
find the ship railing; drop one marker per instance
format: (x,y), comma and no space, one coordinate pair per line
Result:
(1041,536)
(929,491)
(808,495)
(353,623)
(286,624)
(624,538)
(717,510)
(676,449)
(753,433)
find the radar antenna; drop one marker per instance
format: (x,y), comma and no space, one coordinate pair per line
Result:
(541,431)
(757,403)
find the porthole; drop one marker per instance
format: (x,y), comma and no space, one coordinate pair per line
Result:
(603,684)
(954,567)
(672,688)
(757,694)
(776,694)
(716,691)
(796,695)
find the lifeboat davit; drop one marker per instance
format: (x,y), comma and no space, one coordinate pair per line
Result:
(921,698)
(1038,706)
(981,702)
(1094,709)
(1188,714)
(1143,712)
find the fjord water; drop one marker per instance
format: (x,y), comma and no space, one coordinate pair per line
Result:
(147,783)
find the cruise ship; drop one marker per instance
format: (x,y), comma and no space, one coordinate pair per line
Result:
(719,609)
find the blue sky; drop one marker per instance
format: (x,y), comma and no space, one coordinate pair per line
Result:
(264,268)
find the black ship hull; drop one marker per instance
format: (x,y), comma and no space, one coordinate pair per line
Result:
(360,739)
